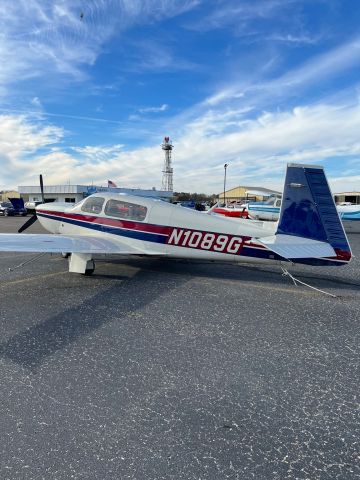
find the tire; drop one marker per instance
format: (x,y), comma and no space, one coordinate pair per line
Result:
(65,254)
(90,271)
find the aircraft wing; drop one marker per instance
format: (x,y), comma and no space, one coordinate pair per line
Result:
(67,243)
(291,246)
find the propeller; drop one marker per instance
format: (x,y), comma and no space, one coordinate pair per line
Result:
(33,218)
(42,189)
(28,223)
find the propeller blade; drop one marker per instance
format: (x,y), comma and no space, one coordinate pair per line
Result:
(28,223)
(42,189)
(33,218)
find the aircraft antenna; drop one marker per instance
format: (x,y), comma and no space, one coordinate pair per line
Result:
(168,172)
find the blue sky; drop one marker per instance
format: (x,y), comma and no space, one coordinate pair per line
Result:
(89,89)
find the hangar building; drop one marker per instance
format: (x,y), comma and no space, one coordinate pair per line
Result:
(254,194)
(75,193)
(351,197)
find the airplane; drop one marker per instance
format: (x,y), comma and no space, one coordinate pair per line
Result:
(270,210)
(350,217)
(233,210)
(309,230)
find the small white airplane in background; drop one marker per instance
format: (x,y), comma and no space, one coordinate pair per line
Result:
(270,210)
(309,230)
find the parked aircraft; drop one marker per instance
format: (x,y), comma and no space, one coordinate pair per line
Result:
(270,210)
(350,217)
(309,229)
(234,210)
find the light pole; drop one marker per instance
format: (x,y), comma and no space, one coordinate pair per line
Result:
(225,167)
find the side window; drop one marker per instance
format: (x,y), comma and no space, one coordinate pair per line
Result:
(93,205)
(125,210)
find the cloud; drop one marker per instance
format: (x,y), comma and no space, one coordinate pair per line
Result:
(151,55)
(327,65)
(20,137)
(226,94)
(59,41)
(42,114)
(257,150)
(295,39)
(162,108)
(245,17)
(36,102)
(98,153)
(56,42)
(254,118)
(21,142)
(256,93)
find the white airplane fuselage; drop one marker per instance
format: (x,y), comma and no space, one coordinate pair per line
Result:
(309,229)
(167,229)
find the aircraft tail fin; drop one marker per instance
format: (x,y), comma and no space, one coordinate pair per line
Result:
(308,210)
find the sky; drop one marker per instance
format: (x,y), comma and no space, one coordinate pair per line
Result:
(89,89)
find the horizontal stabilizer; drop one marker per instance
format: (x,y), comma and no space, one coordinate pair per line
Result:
(291,247)
(67,243)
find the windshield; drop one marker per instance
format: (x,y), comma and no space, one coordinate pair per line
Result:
(7,204)
(270,201)
(93,205)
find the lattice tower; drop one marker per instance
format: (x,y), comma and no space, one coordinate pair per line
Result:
(168,172)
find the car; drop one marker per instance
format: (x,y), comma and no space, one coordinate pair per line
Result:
(6,209)
(18,206)
(30,206)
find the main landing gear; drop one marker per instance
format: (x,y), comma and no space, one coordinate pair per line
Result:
(90,268)
(80,263)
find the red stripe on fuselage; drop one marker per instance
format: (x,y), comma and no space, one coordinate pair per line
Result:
(111,222)
(255,245)
(176,236)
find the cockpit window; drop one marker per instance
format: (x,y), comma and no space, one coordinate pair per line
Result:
(125,210)
(272,200)
(93,205)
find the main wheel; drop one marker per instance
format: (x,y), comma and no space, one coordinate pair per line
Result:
(65,254)
(90,270)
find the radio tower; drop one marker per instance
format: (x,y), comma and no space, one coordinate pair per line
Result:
(167,180)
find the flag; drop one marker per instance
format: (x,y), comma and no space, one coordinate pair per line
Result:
(111,184)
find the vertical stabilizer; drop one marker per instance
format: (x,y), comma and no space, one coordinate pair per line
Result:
(308,209)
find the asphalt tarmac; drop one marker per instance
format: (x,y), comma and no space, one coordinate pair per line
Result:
(155,369)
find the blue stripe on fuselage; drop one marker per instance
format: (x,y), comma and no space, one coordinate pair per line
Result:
(264,209)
